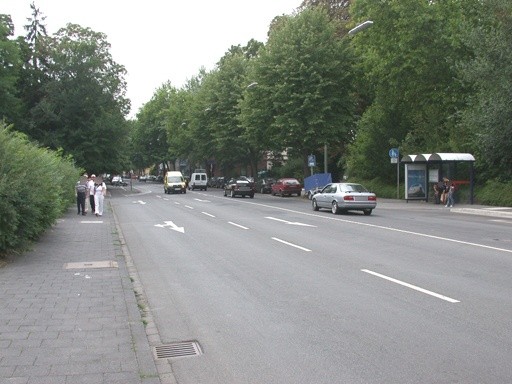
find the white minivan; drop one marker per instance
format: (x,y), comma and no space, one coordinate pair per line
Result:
(198,180)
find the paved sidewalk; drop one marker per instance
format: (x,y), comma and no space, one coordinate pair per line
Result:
(68,310)
(463,208)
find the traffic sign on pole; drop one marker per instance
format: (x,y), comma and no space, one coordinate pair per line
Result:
(393,153)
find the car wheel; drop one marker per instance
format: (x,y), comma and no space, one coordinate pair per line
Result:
(225,193)
(367,212)
(251,195)
(334,207)
(232,193)
(281,193)
(315,205)
(262,190)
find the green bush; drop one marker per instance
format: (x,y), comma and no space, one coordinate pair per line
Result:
(36,187)
(381,189)
(495,193)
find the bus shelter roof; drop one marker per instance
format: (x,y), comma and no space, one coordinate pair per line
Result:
(437,157)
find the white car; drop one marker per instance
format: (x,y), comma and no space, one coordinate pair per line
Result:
(118,180)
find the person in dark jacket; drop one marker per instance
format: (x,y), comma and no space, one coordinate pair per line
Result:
(81,190)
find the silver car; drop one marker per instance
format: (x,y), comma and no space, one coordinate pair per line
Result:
(342,197)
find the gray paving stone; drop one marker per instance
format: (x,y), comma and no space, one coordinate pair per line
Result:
(75,326)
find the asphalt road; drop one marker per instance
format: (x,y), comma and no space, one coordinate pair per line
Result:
(276,293)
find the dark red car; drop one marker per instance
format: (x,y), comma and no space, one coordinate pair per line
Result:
(287,187)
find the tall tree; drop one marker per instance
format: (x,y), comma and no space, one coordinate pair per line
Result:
(489,113)
(409,59)
(152,127)
(304,86)
(225,93)
(9,71)
(33,76)
(36,33)
(336,9)
(83,106)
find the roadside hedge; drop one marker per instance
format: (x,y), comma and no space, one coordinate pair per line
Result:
(36,187)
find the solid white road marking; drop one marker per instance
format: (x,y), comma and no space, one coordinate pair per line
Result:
(442,297)
(291,244)
(501,221)
(207,214)
(237,225)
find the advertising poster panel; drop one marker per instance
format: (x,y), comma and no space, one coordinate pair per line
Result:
(415,181)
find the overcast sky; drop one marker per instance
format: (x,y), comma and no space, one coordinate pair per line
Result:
(159,40)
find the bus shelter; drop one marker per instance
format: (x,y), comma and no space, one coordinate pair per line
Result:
(424,170)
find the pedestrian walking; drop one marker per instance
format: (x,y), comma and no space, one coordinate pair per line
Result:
(80,191)
(90,188)
(100,190)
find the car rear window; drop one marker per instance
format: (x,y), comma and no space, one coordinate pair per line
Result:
(354,188)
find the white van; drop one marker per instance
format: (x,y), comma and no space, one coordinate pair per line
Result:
(198,180)
(174,182)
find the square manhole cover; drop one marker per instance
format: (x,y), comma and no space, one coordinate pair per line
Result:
(91,264)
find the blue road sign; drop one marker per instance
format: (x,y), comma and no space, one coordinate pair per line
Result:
(393,153)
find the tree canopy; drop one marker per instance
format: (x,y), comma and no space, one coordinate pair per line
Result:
(428,76)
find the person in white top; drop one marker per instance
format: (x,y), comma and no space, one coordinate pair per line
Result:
(100,190)
(90,187)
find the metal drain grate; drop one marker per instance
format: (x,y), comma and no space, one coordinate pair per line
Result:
(174,350)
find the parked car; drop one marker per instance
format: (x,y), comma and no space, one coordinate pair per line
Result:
(313,192)
(265,185)
(239,187)
(212,181)
(286,187)
(342,197)
(219,183)
(198,180)
(118,181)
(143,178)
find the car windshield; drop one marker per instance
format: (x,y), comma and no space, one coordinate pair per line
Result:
(353,188)
(175,179)
(291,182)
